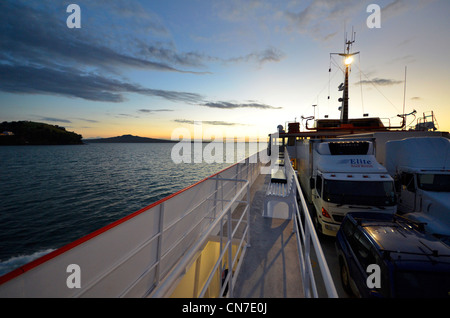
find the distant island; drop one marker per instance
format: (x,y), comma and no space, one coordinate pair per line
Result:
(33,133)
(127,139)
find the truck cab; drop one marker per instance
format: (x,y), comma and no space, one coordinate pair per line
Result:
(335,194)
(418,188)
(346,177)
(421,169)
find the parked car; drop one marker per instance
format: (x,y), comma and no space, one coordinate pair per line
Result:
(385,255)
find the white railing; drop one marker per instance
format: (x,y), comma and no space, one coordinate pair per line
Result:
(306,234)
(166,287)
(146,253)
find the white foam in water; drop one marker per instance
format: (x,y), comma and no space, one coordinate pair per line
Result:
(17,261)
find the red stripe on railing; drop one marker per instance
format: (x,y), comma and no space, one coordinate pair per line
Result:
(24,268)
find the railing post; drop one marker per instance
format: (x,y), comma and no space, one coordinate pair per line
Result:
(230,255)
(159,248)
(216,195)
(248,215)
(197,275)
(237,177)
(307,259)
(221,221)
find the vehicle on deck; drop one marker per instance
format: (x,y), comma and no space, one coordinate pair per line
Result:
(421,168)
(342,175)
(383,255)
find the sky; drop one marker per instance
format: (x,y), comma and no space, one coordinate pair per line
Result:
(231,68)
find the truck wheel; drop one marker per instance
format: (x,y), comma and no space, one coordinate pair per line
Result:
(345,277)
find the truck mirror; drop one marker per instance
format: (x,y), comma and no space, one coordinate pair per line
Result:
(311,183)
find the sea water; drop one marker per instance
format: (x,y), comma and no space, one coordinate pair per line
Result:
(53,195)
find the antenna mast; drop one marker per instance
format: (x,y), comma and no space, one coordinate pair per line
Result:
(348,61)
(404,98)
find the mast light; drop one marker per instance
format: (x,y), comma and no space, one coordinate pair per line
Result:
(348,60)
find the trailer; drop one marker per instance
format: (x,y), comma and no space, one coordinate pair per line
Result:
(380,138)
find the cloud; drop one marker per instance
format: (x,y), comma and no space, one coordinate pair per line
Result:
(170,54)
(320,18)
(270,54)
(184,121)
(125,115)
(46,40)
(43,56)
(219,123)
(239,11)
(88,120)
(229,105)
(145,110)
(380,81)
(398,7)
(70,82)
(207,122)
(196,59)
(130,13)
(59,120)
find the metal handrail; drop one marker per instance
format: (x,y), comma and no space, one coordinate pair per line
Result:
(305,235)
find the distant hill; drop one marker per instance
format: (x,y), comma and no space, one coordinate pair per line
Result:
(33,133)
(127,139)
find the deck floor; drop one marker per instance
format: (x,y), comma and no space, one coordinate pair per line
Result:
(270,268)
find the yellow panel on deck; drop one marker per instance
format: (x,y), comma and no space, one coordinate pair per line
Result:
(197,275)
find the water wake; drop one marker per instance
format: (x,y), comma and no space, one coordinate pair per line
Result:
(17,261)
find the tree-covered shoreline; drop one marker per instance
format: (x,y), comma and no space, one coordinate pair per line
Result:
(34,133)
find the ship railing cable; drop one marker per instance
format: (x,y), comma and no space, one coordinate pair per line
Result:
(306,234)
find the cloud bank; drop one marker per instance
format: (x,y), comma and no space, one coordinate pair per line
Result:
(208,122)
(72,83)
(40,55)
(380,81)
(229,105)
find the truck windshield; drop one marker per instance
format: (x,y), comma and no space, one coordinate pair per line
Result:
(372,193)
(434,182)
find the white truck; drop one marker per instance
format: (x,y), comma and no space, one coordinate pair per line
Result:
(421,168)
(342,175)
